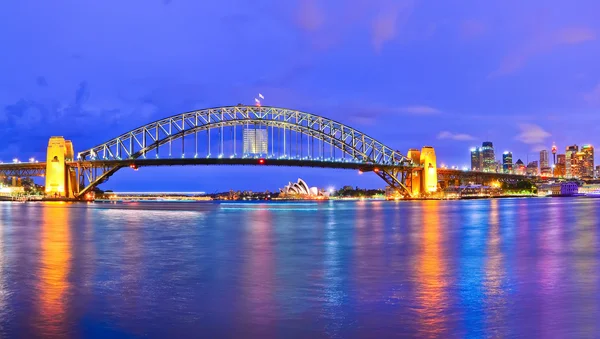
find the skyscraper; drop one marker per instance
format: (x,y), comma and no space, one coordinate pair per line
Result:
(585,160)
(256,141)
(560,169)
(488,157)
(544,159)
(545,168)
(507,162)
(571,161)
(554,150)
(476,159)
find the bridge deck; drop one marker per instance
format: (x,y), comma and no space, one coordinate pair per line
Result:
(37,169)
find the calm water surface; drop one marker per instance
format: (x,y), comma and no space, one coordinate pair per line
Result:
(488,268)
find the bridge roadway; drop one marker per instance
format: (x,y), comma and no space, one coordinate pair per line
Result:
(38,169)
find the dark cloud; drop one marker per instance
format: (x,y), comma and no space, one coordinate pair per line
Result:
(41,81)
(82,94)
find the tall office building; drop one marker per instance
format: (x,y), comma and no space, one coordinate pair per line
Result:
(571,161)
(507,162)
(256,141)
(560,169)
(476,159)
(545,169)
(544,159)
(585,160)
(488,157)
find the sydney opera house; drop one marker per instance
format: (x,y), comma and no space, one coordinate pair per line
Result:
(300,188)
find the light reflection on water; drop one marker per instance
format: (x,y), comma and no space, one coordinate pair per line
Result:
(486,268)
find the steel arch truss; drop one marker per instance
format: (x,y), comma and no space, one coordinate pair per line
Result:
(138,142)
(22,171)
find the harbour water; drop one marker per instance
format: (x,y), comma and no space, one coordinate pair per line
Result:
(480,268)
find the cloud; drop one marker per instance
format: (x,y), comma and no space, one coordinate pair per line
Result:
(310,16)
(593,96)
(41,81)
(326,25)
(542,43)
(419,110)
(82,94)
(537,148)
(387,22)
(532,134)
(575,35)
(455,136)
(471,29)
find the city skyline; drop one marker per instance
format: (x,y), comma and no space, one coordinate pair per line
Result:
(581,162)
(399,80)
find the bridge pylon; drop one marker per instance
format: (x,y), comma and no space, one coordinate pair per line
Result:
(61,180)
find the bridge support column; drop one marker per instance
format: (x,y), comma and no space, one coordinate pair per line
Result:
(429,176)
(61,181)
(415,179)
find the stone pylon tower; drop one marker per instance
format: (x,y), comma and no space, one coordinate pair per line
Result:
(61,181)
(429,164)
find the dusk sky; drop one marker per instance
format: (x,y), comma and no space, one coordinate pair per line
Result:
(449,74)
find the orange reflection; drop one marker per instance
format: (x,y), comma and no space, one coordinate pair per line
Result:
(54,270)
(431,273)
(494,271)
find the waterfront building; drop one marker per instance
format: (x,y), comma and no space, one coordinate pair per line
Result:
(571,161)
(256,141)
(520,168)
(532,168)
(560,169)
(546,172)
(565,188)
(488,157)
(476,159)
(598,171)
(471,191)
(507,162)
(300,188)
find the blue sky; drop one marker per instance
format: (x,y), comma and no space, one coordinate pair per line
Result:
(410,73)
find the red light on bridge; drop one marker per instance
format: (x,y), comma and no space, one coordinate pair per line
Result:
(134,167)
(360,172)
(376,170)
(261,161)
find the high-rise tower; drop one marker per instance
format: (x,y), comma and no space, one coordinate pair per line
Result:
(488,157)
(571,161)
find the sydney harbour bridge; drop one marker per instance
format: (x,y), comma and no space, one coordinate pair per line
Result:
(215,136)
